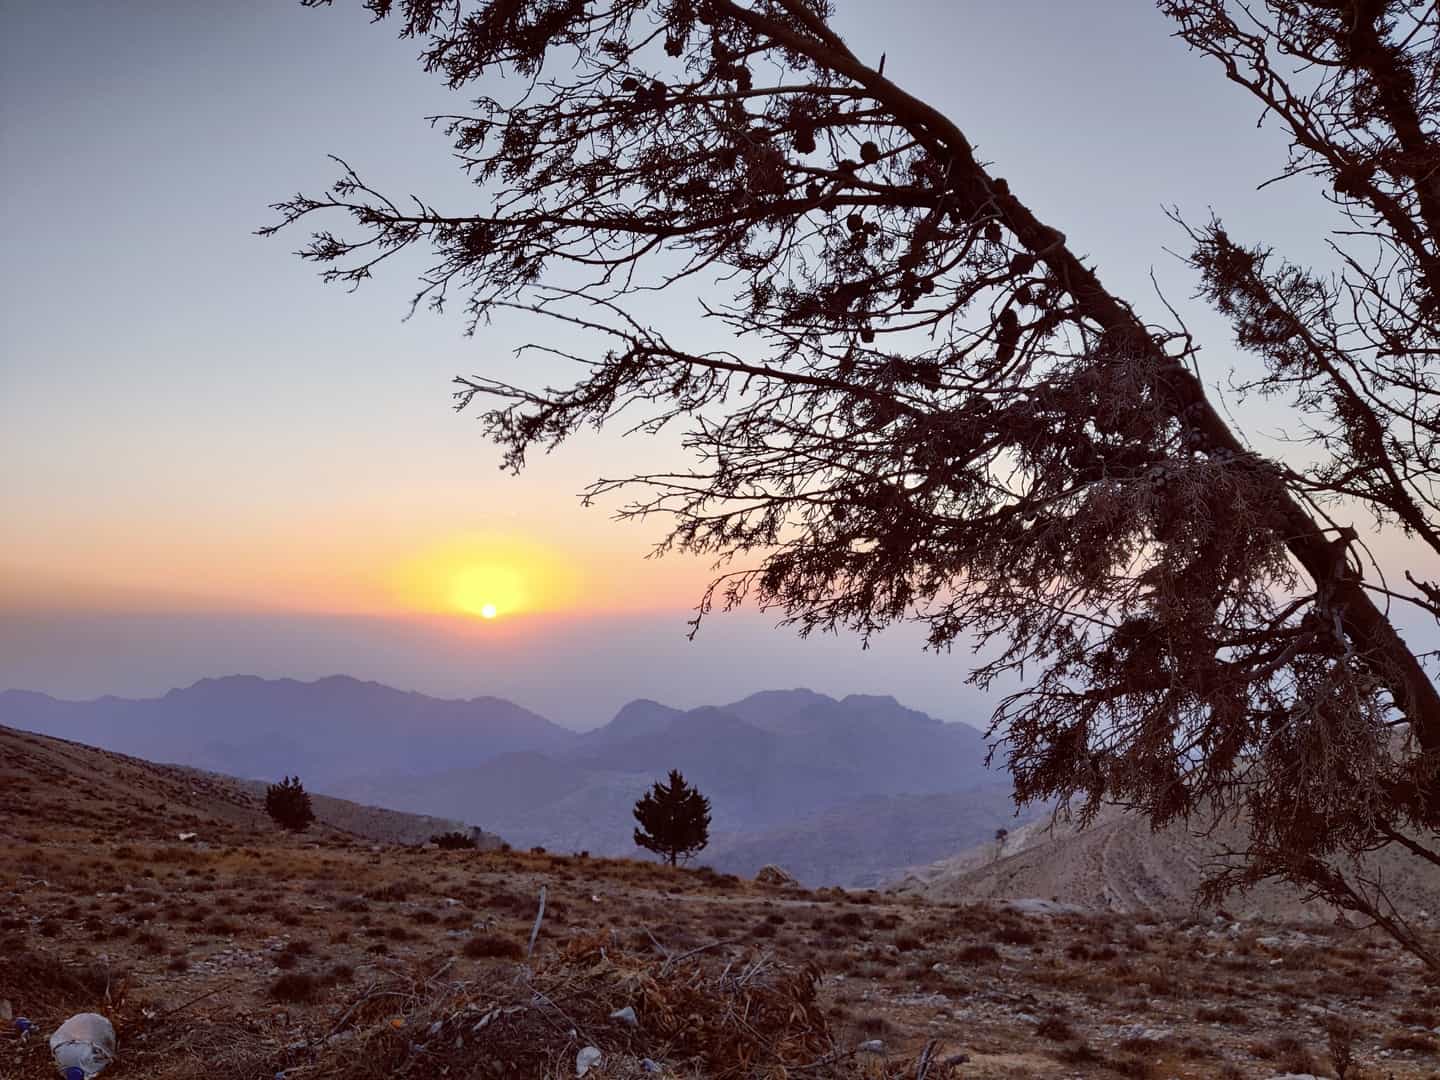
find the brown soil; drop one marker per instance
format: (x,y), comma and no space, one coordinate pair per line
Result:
(252,953)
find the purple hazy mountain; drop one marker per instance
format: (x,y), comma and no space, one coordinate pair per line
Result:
(326,731)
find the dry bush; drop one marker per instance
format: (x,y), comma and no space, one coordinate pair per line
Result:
(394,892)
(1341,1033)
(1220,1014)
(750,1016)
(1288,1053)
(1015,934)
(1056,1028)
(1414,1041)
(295,987)
(492,945)
(49,986)
(978,954)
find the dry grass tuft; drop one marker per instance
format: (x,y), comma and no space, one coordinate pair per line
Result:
(749,1015)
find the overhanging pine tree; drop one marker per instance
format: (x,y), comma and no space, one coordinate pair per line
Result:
(931,407)
(674,819)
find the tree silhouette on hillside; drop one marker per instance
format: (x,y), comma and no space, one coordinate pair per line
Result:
(674,819)
(288,804)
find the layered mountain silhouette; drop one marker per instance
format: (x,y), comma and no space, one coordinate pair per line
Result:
(325,730)
(844,791)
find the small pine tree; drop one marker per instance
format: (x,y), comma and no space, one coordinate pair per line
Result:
(674,819)
(453,841)
(288,804)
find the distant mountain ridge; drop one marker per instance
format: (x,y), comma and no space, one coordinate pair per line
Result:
(836,786)
(326,730)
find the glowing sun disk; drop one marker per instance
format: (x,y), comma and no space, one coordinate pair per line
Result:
(487,577)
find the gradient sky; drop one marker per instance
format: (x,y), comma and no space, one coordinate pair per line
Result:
(213,463)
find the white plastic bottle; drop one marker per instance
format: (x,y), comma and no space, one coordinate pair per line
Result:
(83,1046)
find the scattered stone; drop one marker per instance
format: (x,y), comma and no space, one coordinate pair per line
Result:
(651,1066)
(871,1046)
(587,1059)
(770,874)
(626,1016)
(1035,905)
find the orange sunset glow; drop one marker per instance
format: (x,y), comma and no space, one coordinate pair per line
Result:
(487,577)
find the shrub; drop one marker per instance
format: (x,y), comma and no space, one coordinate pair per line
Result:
(493,945)
(1056,1028)
(1223,1014)
(1417,1041)
(392,893)
(453,841)
(288,804)
(978,954)
(1015,934)
(294,987)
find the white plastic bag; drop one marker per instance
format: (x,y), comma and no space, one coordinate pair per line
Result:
(83,1046)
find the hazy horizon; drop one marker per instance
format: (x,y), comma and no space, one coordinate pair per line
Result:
(583,678)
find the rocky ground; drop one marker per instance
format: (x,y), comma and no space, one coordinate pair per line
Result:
(251,953)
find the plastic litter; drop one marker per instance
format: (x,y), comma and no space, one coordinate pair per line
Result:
(24,1025)
(83,1046)
(587,1059)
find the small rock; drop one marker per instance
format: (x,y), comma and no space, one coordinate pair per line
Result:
(777,875)
(587,1059)
(1027,1018)
(625,1016)
(1140,1031)
(651,1066)
(872,1046)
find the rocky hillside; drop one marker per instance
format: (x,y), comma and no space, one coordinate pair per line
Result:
(48,781)
(259,954)
(1120,864)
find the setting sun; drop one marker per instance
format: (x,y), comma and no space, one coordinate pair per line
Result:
(487,577)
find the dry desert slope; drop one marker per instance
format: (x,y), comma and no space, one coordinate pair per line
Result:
(253,954)
(1118,863)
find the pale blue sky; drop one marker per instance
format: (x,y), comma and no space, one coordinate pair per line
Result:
(184,403)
